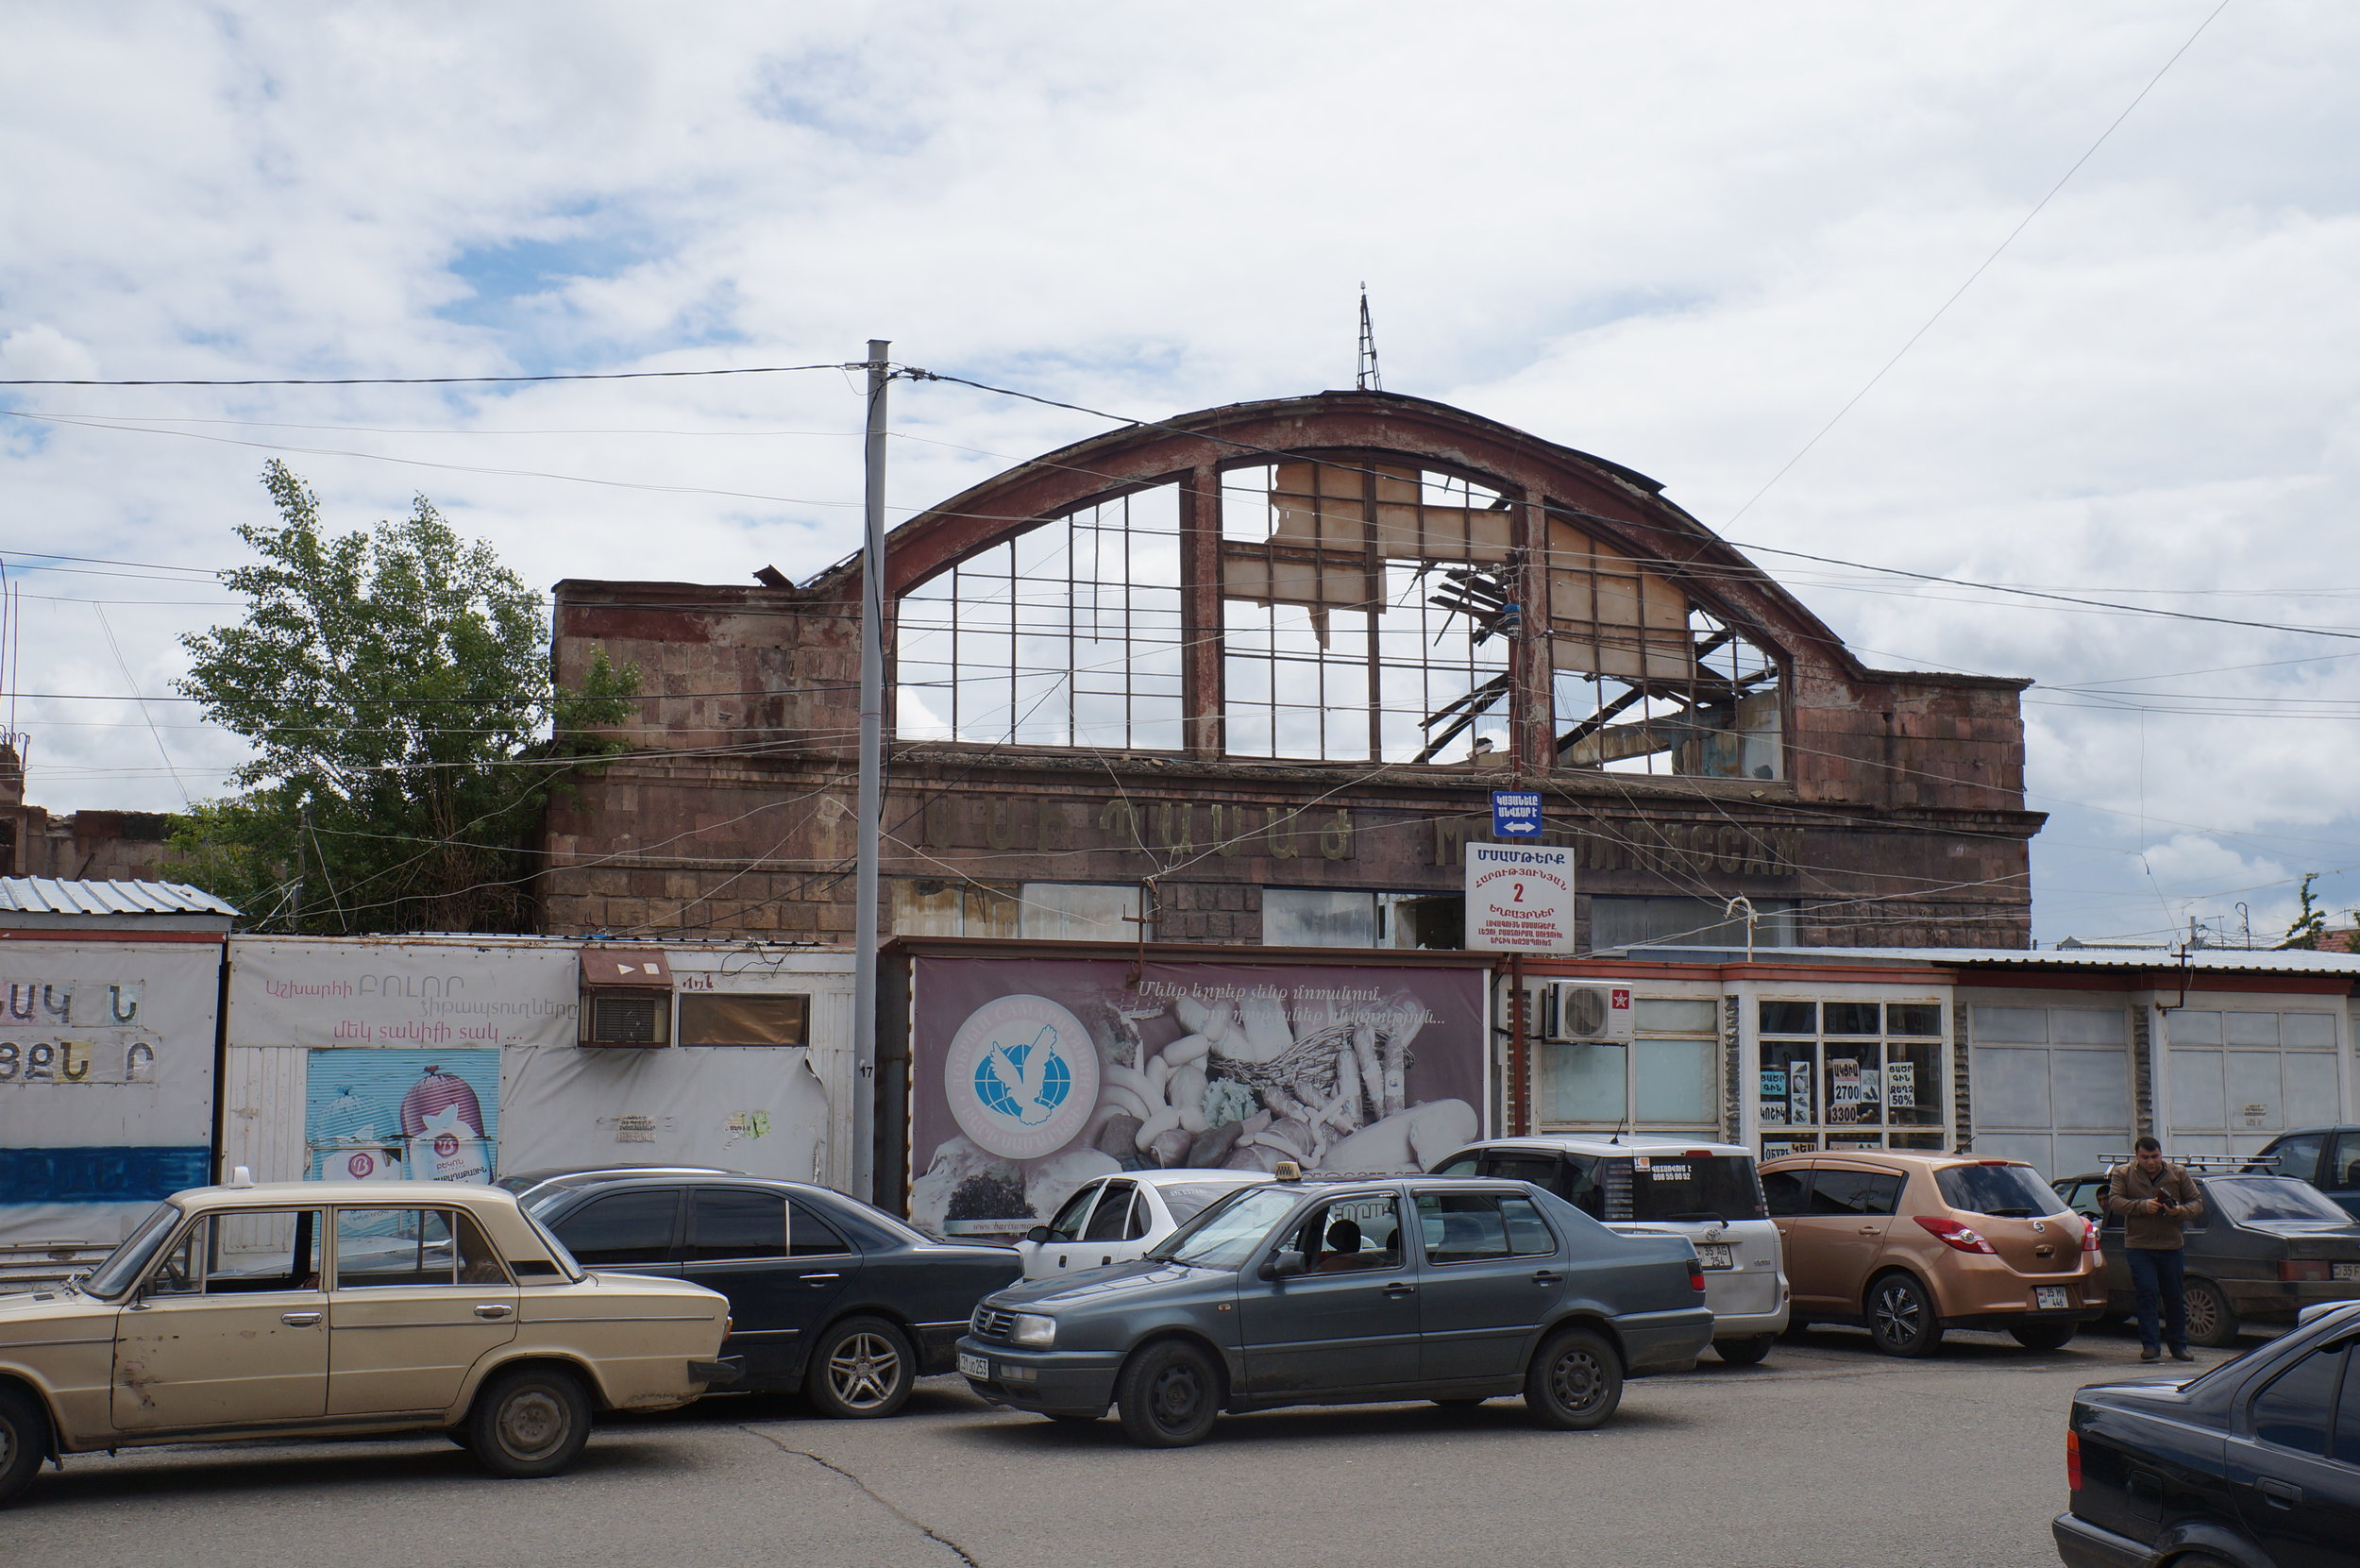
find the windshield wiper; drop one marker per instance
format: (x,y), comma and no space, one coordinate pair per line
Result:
(2010,1213)
(1711,1216)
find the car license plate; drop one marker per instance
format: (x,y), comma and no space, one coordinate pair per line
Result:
(2047,1297)
(2344,1270)
(1714,1255)
(974,1366)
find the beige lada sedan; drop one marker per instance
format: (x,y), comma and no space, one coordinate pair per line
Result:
(307,1310)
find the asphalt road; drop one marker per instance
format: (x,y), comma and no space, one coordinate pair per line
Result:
(1825,1454)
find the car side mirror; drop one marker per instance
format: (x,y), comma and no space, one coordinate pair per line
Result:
(1284,1266)
(1037,1234)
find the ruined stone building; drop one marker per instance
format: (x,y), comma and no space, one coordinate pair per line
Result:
(1250,676)
(82,846)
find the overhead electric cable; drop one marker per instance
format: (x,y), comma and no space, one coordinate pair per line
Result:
(453,380)
(1982,267)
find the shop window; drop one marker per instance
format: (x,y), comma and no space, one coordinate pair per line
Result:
(1350,918)
(734,1018)
(1849,1074)
(1618,923)
(944,907)
(1081,912)
(1667,1076)
(1067,635)
(1044,911)
(1318,918)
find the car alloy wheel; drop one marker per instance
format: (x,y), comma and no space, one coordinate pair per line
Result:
(1901,1320)
(2211,1322)
(861,1369)
(1168,1395)
(1575,1382)
(530,1421)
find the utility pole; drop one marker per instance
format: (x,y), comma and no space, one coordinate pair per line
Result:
(871,787)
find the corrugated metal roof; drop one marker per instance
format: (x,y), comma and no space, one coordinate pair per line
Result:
(58,896)
(2200,960)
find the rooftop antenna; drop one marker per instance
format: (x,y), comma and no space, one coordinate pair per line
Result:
(1367,379)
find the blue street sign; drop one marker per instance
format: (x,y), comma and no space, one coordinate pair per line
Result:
(1515,814)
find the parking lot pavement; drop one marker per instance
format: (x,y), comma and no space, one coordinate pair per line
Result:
(1825,1453)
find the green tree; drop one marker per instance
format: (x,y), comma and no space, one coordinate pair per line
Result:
(395,686)
(2311,925)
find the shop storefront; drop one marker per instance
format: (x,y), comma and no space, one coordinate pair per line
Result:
(2060,1058)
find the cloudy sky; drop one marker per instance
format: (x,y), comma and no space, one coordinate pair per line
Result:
(1682,237)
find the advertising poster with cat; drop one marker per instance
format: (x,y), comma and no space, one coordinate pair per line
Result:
(1031,1076)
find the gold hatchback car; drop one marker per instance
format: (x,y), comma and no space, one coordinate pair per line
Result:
(311,1309)
(1908,1245)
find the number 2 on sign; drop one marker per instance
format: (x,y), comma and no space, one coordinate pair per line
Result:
(1519,894)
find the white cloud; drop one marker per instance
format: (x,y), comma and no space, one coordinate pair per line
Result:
(1679,239)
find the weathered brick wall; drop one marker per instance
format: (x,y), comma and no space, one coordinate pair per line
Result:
(1899,819)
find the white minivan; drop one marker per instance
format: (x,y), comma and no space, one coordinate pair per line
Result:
(1706,1193)
(1115,1219)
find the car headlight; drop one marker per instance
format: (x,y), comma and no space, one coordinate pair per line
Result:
(1035,1330)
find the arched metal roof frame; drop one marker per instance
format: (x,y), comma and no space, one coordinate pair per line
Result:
(1618,505)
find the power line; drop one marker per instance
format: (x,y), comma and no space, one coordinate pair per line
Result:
(1982,267)
(457,381)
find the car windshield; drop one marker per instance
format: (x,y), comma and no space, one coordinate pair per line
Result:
(1225,1234)
(122,1265)
(2002,1191)
(2242,1200)
(1187,1200)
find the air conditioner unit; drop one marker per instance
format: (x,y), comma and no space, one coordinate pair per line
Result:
(1574,1012)
(627,1018)
(626,997)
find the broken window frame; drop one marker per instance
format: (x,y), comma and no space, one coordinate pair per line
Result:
(1358,575)
(1070,632)
(1367,607)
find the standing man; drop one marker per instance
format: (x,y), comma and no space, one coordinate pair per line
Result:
(2157,1202)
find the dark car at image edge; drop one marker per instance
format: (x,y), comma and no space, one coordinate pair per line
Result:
(2254,1464)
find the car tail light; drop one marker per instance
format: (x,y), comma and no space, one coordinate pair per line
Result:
(2073,1460)
(1696,1277)
(1953,1234)
(2089,1235)
(2291,1270)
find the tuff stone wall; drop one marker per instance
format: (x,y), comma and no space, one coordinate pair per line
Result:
(1899,819)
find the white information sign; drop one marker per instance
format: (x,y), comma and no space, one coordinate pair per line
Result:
(1519,899)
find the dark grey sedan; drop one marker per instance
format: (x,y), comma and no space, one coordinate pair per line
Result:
(2268,1247)
(1323,1293)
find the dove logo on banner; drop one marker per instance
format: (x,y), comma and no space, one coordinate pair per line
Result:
(1022,1076)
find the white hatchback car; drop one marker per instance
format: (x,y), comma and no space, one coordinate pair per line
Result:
(1706,1193)
(1115,1219)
